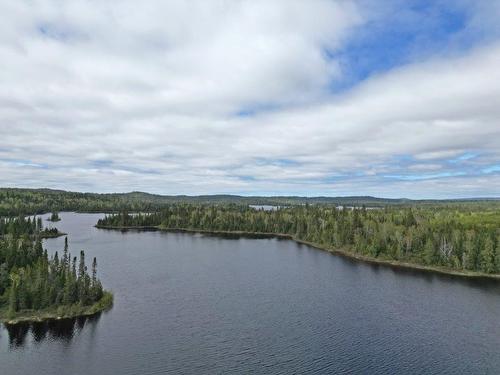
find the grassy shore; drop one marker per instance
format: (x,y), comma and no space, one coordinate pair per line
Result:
(342,252)
(60,312)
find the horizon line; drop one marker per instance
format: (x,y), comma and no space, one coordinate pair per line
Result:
(242,195)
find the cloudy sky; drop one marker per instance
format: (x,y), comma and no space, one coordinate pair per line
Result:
(393,98)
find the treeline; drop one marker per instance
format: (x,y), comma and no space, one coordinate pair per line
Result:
(14,202)
(31,227)
(449,237)
(31,280)
(20,225)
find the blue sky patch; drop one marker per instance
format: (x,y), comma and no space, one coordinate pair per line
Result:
(419,177)
(409,31)
(491,169)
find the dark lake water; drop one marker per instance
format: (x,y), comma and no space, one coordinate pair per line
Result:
(193,304)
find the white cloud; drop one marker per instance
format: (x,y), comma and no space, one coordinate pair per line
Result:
(105,97)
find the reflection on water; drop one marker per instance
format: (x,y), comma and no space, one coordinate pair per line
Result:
(478,282)
(193,303)
(22,334)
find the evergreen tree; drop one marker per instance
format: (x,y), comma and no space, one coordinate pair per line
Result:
(487,256)
(30,280)
(430,254)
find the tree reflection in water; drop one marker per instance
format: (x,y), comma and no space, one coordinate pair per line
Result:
(56,329)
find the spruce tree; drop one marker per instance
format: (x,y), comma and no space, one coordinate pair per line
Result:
(487,256)
(429,252)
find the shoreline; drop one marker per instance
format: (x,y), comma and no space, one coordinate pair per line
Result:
(54,313)
(44,236)
(336,251)
(56,235)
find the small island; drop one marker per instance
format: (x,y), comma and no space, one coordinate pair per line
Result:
(51,233)
(54,217)
(36,287)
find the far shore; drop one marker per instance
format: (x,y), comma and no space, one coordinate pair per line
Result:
(341,252)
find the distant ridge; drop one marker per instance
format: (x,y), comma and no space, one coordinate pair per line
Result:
(230,198)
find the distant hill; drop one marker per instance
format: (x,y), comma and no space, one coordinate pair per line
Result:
(15,201)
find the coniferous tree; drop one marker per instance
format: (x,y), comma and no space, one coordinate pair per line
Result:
(487,256)
(432,236)
(429,252)
(30,280)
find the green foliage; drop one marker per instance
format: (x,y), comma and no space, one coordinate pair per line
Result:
(15,202)
(31,280)
(487,256)
(54,217)
(429,252)
(434,236)
(31,227)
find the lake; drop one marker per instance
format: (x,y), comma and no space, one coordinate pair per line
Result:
(190,303)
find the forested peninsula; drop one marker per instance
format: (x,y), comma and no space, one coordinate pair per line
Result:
(35,286)
(457,240)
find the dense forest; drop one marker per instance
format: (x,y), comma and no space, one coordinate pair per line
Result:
(31,281)
(15,202)
(456,238)
(20,226)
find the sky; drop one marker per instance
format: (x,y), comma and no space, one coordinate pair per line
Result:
(390,98)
